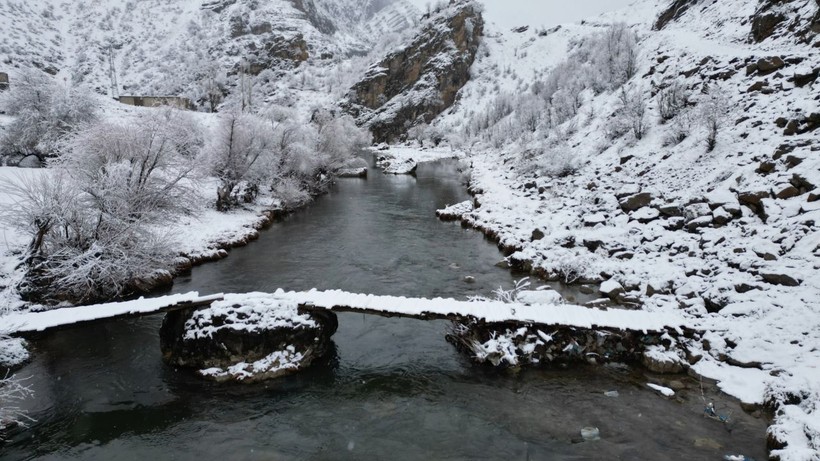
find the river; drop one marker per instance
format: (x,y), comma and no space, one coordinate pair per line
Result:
(393,389)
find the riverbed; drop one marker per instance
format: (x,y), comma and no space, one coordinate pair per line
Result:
(393,388)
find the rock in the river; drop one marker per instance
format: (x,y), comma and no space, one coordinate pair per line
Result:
(246,338)
(611,288)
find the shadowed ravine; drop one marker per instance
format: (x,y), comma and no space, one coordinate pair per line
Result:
(393,389)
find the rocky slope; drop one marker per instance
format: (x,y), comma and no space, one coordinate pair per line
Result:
(727,236)
(413,85)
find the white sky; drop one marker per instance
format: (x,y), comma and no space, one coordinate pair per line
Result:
(511,13)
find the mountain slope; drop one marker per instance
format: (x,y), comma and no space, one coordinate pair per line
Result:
(170,48)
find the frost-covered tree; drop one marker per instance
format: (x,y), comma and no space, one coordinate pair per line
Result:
(95,229)
(239,153)
(45,112)
(672,100)
(714,113)
(13,390)
(631,111)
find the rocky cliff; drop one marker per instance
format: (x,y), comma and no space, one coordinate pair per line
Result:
(413,85)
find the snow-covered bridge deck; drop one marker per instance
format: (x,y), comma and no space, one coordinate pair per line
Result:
(388,306)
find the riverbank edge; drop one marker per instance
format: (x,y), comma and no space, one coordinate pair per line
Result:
(770,408)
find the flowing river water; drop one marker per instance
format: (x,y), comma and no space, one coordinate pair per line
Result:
(394,389)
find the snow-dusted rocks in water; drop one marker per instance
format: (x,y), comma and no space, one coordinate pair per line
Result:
(455,212)
(246,338)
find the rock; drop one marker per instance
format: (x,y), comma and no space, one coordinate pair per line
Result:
(636,201)
(752,199)
(733,209)
(645,215)
(671,210)
(592,220)
(803,77)
(537,234)
(611,289)
(765,168)
(696,210)
(764,25)
(757,86)
(246,338)
(627,190)
(813,197)
(353,173)
(658,361)
(697,223)
(720,216)
(769,64)
(776,278)
(587,289)
(785,191)
(469,279)
(674,11)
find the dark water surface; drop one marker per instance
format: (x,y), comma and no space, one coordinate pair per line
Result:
(393,390)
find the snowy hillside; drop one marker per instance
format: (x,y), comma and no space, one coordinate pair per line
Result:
(171,48)
(588,179)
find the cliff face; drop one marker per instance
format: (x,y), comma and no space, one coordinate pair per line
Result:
(415,84)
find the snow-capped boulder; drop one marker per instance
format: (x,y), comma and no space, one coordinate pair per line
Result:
(611,288)
(246,338)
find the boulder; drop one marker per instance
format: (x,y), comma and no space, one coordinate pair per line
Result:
(592,220)
(720,216)
(646,215)
(636,201)
(695,211)
(246,338)
(769,64)
(779,278)
(611,288)
(784,191)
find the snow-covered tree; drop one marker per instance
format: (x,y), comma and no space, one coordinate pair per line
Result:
(631,111)
(45,112)
(240,151)
(714,113)
(13,390)
(95,232)
(672,100)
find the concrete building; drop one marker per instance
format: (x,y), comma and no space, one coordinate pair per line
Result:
(157,101)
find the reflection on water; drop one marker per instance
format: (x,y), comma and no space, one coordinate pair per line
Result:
(393,389)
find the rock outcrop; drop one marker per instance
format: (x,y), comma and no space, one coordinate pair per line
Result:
(414,85)
(246,338)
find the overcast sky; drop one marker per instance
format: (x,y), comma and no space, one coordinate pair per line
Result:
(512,13)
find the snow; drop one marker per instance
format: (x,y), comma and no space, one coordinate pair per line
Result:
(665,391)
(247,312)
(279,309)
(23,322)
(13,351)
(286,359)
